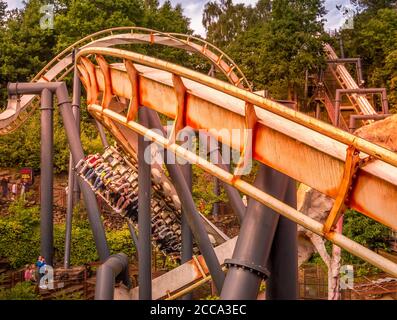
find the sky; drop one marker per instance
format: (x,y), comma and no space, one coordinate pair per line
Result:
(194,9)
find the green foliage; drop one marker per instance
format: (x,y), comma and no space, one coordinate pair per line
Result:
(374,5)
(224,21)
(21,291)
(3,8)
(367,232)
(70,296)
(20,238)
(211,297)
(25,48)
(19,241)
(203,191)
(374,40)
(274,42)
(364,230)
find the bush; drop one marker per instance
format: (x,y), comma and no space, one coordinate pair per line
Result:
(367,232)
(19,234)
(20,238)
(70,296)
(203,191)
(21,291)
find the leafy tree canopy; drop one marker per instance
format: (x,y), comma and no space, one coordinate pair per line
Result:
(25,48)
(274,42)
(374,40)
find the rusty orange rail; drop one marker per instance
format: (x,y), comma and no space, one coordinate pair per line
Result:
(308,150)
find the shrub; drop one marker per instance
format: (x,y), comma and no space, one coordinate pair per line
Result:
(21,291)
(367,232)
(20,238)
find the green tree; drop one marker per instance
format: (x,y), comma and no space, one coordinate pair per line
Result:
(3,10)
(20,238)
(374,40)
(25,48)
(294,42)
(21,291)
(224,21)
(367,232)
(374,5)
(275,42)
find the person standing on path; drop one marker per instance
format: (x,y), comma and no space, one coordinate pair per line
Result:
(14,190)
(29,273)
(23,189)
(4,187)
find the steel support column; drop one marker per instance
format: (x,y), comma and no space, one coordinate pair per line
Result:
(250,256)
(115,267)
(283,262)
(46,178)
(235,200)
(76,113)
(133,236)
(192,216)
(187,237)
(90,200)
(72,133)
(144,216)
(73,196)
(69,214)
(102,134)
(233,195)
(215,208)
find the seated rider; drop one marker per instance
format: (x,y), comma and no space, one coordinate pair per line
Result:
(99,181)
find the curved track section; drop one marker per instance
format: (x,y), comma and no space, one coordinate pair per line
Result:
(322,154)
(18,111)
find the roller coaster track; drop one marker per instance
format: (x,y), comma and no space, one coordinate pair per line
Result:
(166,200)
(18,112)
(344,79)
(324,157)
(353,171)
(165,203)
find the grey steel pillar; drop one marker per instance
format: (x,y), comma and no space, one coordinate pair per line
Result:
(187,237)
(235,200)
(73,196)
(76,113)
(46,179)
(102,134)
(115,267)
(215,208)
(247,267)
(90,200)
(283,262)
(232,193)
(144,216)
(133,236)
(190,211)
(69,214)
(76,149)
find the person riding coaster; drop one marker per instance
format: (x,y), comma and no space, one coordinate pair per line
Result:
(113,177)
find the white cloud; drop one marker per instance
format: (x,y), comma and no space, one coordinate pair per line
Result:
(335,18)
(12,4)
